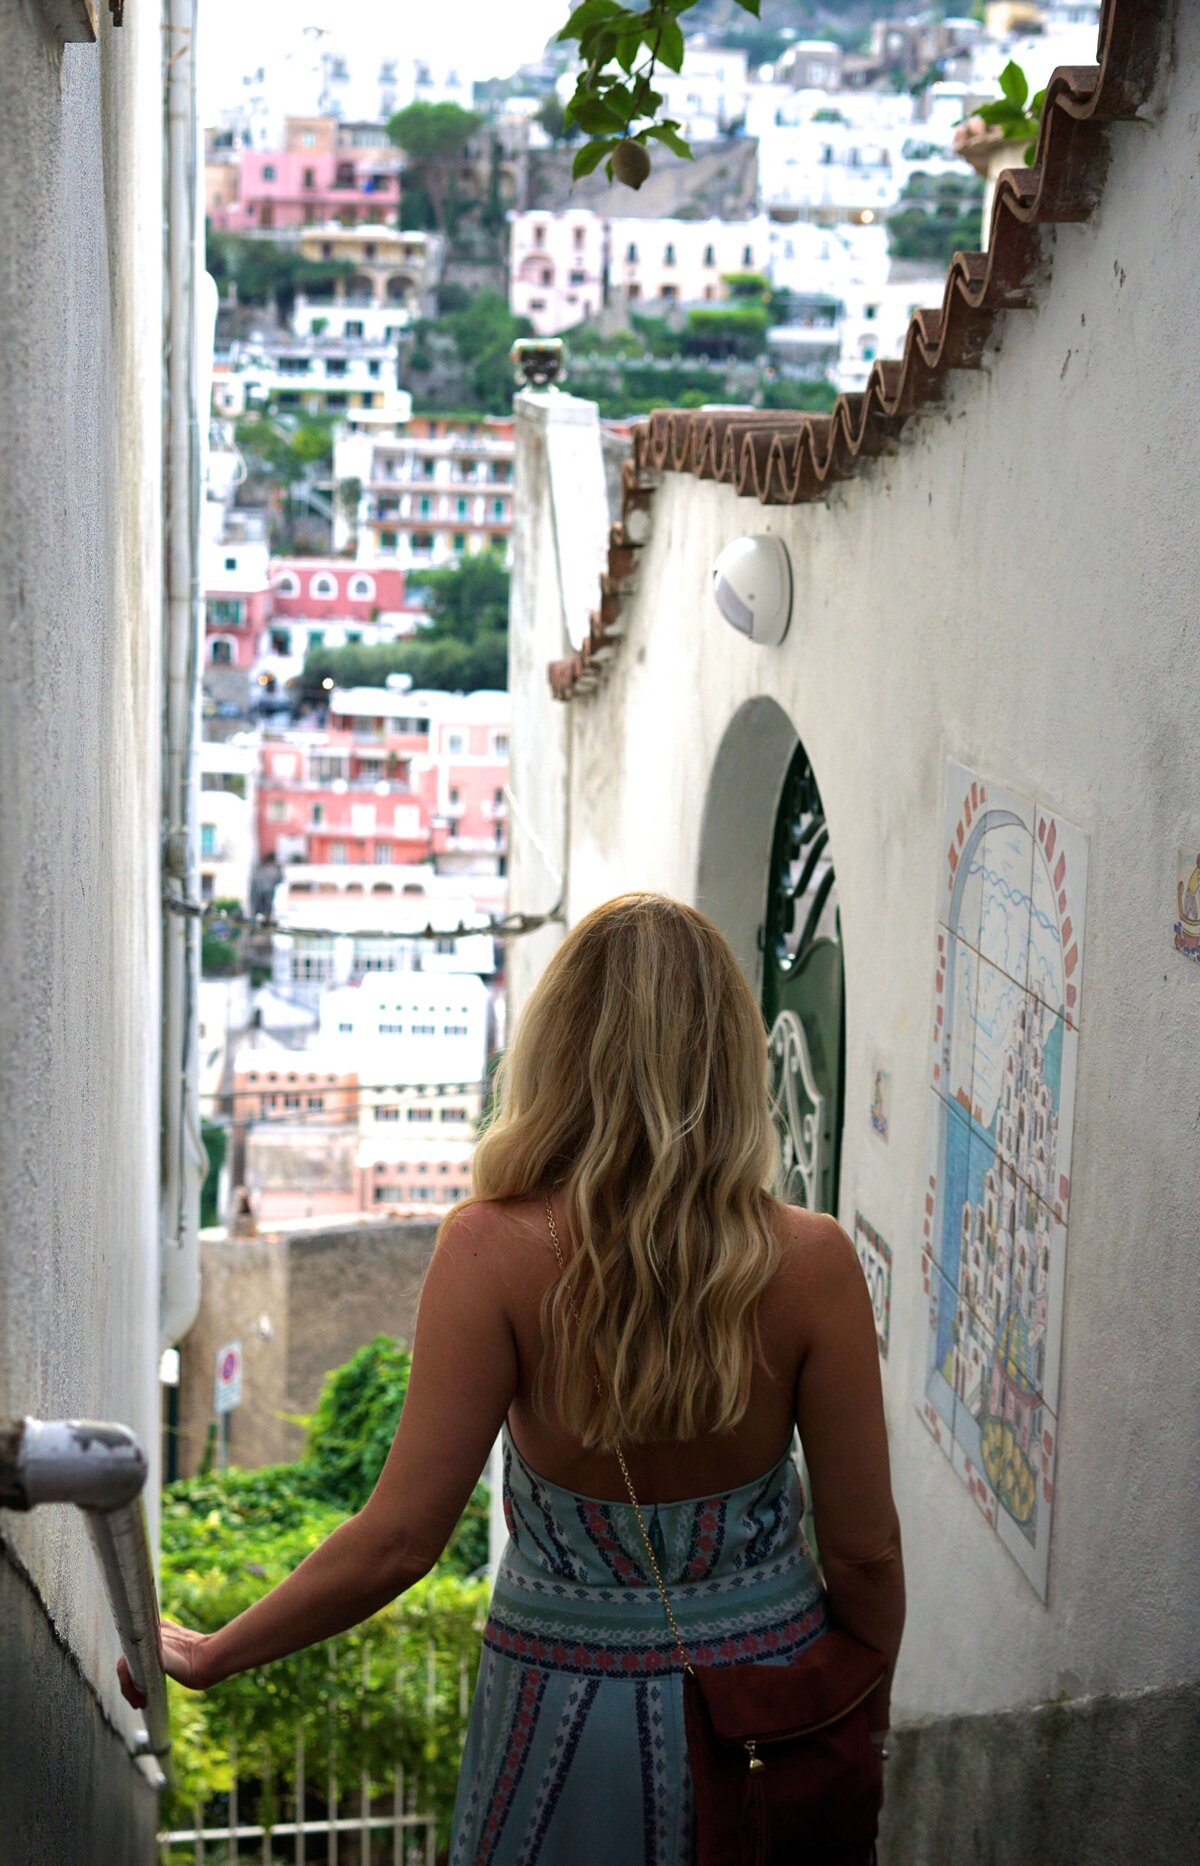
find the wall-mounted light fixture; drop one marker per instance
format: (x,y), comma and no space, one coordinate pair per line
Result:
(752,583)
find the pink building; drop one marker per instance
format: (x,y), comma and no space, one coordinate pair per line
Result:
(327,589)
(237,603)
(311,180)
(395,777)
(556,268)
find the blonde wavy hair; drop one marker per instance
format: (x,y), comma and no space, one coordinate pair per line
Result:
(636,1088)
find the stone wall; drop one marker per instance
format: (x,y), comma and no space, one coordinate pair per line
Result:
(300,1304)
(721,181)
(81,228)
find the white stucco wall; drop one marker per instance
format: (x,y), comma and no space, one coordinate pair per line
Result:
(80,726)
(1015,588)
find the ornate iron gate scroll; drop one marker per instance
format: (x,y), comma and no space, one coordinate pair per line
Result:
(803,993)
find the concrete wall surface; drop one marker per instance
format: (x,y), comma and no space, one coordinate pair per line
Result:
(300,1303)
(76,1799)
(1013,587)
(1077,1784)
(80,706)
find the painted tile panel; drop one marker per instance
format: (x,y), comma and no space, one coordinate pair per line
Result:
(994,1227)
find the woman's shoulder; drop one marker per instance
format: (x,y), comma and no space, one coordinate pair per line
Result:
(503,1238)
(818,1263)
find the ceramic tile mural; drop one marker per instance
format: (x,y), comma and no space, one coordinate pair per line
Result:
(1008,980)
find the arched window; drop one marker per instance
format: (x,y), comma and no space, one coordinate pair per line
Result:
(323,585)
(287,583)
(362,589)
(221,651)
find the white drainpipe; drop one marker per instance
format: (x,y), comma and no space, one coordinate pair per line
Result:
(190,310)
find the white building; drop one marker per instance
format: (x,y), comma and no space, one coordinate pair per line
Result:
(340,375)
(850,302)
(410,1027)
(356,319)
(682,261)
(430,492)
(345,922)
(556,265)
(228,772)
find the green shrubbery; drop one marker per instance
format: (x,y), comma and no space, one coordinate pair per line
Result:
(385,1693)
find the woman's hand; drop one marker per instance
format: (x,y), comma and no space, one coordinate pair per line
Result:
(183,1655)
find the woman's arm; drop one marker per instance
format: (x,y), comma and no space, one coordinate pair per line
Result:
(839,1414)
(464,1375)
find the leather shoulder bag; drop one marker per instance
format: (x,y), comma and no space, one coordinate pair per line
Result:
(784,1772)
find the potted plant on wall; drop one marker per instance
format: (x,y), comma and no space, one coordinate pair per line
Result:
(1001,134)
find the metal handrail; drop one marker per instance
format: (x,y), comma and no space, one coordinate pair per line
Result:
(101,1469)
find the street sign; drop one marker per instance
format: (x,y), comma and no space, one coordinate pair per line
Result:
(227,1388)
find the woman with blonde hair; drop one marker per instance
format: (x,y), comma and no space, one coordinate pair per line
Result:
(666,1674)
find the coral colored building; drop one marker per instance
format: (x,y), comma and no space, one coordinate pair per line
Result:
(395,777)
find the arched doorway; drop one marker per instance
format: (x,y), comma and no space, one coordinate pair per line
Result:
(766,877)
(803,991)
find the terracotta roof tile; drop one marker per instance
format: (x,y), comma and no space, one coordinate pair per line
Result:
(789,459)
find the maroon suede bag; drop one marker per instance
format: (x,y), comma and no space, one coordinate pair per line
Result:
(783,1770)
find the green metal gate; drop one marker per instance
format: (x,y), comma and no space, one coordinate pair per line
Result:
(803,993)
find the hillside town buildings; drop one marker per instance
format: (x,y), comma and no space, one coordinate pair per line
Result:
(430,493)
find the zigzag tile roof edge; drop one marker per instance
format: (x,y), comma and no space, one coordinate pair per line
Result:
(790,459)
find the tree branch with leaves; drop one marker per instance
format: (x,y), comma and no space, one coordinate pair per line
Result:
(614,101)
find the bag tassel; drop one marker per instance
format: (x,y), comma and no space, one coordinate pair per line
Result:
(756,1839)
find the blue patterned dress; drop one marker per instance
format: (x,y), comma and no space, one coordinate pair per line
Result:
(575,1753)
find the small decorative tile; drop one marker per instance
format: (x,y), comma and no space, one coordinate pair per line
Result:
(1187,902)
(875,1257)
(1006,877)
(880,1112)
(1059,899)
(959,892)
(939,1356)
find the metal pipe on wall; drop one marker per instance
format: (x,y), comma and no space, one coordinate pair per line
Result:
(183,1160)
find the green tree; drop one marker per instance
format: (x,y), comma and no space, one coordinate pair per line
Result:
(462,647)
(220,942)
(267,273)
(465,600)
(738,329)
(432,136)
(936,217)
(483,333)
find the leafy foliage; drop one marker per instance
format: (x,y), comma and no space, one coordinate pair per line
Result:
(385,1693)
(614,101)
(433,130)
(215,1139)
(936,217)
(471,340)
(462,648)
(432,136)
(220,942)
(266,273)
(1014,112)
